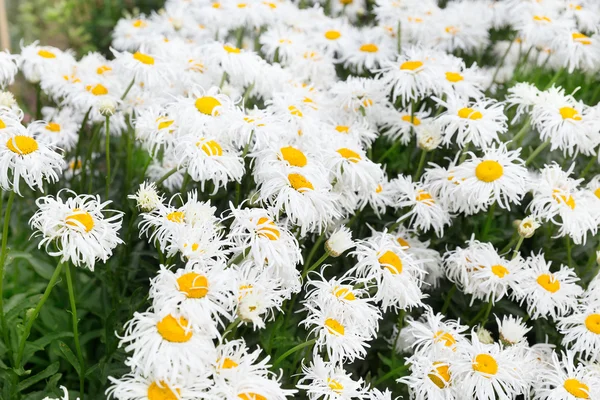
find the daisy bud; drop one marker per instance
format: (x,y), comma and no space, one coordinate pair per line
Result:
(147,197)
(484,335)
(107,107)
(7,99)
(598,257)
(339,241)
(429,138)
(512,330)
(527,227)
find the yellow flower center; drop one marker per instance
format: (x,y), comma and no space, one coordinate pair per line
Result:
(164,123)
(231,49)
(369,48)
(22,145)
(349,154)
(174,330)
(561,198)
(454,77)
(391,262)
(597,192)
(378,189)
(548,282)
(194,285)
(2,124)
(251,396)
(242,5)
(424,197)
(162,391)
(541,18)
(138,23)
(228,363)
(489,171)
(98,90)
(342,128)
(403,243)
(500,271)
(332,35)
(569,113)
(577,388)
(452,30)
(346,2)
(268,229)
(592,322)
(486,364)
(581,38)
(207,104)
(343,293)
(293,156)
(46,54)
(143,58)
(53,127)
(469,113)
(440,375)
(411,120)
(212,148)
(335,385)
(444,337)
(295,111)
(334,327)
(411,65)
(102,69)
(300,183)
(80,219)
(176,216)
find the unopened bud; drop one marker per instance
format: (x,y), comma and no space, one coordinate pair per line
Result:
(527,227)
(484,335)
(7,99)
(339,242)
(107,107)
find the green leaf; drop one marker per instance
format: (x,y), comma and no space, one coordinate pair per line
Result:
(46,373)
(43,268)
(68,353)
(41,343)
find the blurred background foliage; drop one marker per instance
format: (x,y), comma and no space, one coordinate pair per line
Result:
(82,25)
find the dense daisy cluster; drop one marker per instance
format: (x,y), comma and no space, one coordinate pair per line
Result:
(282,105)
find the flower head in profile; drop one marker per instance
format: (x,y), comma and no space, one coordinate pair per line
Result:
(77,229)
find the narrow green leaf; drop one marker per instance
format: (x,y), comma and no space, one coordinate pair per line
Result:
(41,267)
(68,353)
(46,373)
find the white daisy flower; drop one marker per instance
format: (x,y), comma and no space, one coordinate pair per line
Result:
(547,293)
(329,381)
(203,294)
(77,227)
(512,330)
(8,68)
(134,386)
(581,331)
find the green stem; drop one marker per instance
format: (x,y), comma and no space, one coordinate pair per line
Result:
(593,161)
(166,176)
(38,102)
(512,41)
(238,185)
(421,165)
(36,311)
(389,151)
(293,350)
(79,141)
(107,141)
(247,95)
(449,299)
(519,243)
(488,310)
(315,265)
(516,140)
(314,249)
(555,78)
(76,331)
(391,374)
(11,197)
(463,155)
(240,37)
(488,222)
(128,89)
(399,43)
(569,257)
(535,153)
(88,156)
(230,328)
(223,79)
